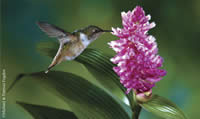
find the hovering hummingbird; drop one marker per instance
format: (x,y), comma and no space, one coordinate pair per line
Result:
(71,44)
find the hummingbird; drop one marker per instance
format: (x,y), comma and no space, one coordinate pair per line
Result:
(71,44)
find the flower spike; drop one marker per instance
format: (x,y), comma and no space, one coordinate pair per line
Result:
(137,59)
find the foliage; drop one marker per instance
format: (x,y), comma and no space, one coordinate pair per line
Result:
(87,100)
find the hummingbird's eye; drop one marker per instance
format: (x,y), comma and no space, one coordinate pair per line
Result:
(94,30)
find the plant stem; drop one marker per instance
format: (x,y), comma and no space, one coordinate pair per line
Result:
(136,109)
(136,112)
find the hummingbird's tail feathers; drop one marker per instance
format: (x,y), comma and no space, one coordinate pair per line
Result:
(52,30)
(50,66)
(46,71)
(57,59)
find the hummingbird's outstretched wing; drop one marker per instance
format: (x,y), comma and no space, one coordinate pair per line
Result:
(63,37)
(54,31)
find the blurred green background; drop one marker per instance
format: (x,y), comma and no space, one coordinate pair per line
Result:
(177,33)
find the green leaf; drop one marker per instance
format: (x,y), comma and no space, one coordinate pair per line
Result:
(95,61)
(85,99)
(163,107)
(44,112)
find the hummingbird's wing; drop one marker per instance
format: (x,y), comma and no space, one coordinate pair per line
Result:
(54,31)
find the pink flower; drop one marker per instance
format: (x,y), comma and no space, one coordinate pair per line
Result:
(137,59)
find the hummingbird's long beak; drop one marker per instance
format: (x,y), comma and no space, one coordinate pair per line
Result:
(107,31)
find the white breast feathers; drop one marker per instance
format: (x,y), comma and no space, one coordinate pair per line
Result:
(84,39)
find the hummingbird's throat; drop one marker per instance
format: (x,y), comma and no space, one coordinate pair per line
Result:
(85,40)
